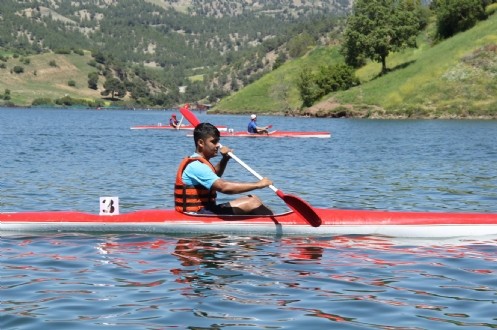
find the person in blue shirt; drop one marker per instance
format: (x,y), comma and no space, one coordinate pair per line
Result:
(253,128)
(198,181)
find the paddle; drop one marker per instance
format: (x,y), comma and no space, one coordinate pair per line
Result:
(180,123)
(189,115)
(303,209)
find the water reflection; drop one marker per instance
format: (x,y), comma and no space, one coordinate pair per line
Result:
(358,281)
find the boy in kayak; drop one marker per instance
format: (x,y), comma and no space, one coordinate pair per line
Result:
(197,180)
(253,128)
(173,121)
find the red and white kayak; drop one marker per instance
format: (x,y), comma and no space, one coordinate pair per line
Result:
(334,222)
(160,126)
(278,134)
(275,134)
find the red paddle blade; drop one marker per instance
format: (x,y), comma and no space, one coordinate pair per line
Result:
(189,115)
(301,208)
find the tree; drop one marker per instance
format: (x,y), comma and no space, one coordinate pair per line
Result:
(138,89)
(114,87)
(99,57)
(377,27)
(280,93)
(455,16)
(300,44)
(308,89)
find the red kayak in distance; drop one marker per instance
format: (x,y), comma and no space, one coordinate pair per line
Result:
(408,224)
(274,134)
(160,126)
(278,134)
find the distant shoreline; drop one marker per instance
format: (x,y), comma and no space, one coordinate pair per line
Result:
(312,113)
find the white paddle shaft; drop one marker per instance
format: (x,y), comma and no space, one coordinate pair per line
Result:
(179,124)
(248,168)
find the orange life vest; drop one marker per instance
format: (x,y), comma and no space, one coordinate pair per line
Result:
(192,198)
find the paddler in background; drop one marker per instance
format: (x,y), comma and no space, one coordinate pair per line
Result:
(198,181)
(253,128)
(173,121)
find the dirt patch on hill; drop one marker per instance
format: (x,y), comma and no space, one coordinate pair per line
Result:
(334,109)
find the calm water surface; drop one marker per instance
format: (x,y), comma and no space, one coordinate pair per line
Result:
(66,159)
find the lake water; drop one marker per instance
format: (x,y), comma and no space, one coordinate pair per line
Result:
(59,159)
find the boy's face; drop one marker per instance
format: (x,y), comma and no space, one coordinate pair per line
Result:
(209,146)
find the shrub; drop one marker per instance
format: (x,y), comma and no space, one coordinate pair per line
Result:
(93,80)
(62,51)
(66,100)
(18,69)
(79,52)
(6,94)
(331,78)
(42,101)
(491,9)
(70,101)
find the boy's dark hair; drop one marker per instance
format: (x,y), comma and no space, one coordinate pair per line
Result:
(205,130)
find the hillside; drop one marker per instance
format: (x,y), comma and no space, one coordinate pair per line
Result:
(41,79)
(212,47)
(456,78)
(277,91)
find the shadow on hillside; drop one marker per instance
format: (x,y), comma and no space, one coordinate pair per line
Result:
(395,68)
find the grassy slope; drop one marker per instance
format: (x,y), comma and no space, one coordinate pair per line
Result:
(277,91)
(425,82)
(40,80)
(435,82)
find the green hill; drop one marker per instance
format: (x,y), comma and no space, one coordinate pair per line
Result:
(277,92)
(148,50)
(454,78)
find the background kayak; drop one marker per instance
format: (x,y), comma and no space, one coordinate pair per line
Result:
(160,126)
(278,134)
